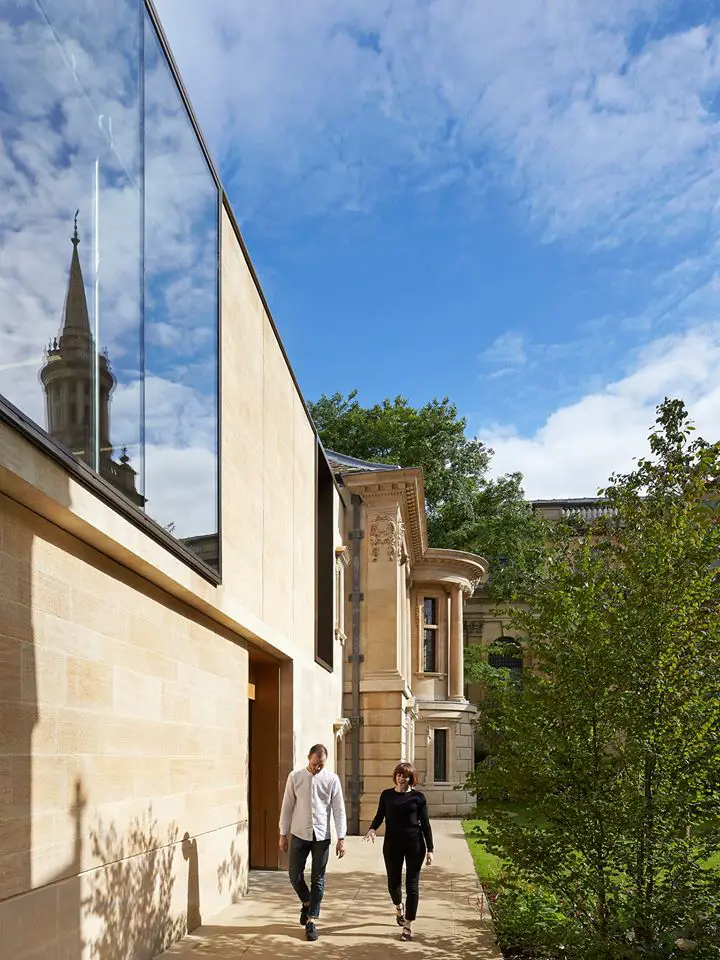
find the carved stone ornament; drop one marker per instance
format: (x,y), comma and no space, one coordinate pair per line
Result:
(383,537)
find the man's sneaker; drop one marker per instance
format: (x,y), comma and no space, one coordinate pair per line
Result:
(304,915)
(311,931)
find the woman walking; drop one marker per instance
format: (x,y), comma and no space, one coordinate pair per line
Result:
(408,840)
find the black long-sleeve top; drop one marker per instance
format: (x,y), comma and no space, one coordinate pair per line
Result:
(405,815)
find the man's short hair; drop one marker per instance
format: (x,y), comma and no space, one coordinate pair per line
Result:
(319,749)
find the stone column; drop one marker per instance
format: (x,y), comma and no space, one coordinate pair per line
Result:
(456,671)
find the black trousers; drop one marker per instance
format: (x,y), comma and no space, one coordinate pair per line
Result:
(319,851)
(410,851)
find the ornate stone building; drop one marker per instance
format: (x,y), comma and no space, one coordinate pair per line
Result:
(403,606)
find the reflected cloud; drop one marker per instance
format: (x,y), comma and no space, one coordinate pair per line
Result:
(127,368)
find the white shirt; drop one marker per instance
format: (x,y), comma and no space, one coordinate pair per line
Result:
(307,804)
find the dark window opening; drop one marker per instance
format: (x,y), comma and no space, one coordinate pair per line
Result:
(430,629)
(441,771)
(508,659)
(430,610)
(324,561)
(430,652)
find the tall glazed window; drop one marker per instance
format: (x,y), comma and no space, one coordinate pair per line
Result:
(71,231)
(109,244)
(181,316)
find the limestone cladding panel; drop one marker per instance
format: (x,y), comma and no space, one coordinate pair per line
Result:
(243,426)
(318,702)
(279,514)
(124,727)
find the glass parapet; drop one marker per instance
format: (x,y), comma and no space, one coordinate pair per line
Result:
(109,257)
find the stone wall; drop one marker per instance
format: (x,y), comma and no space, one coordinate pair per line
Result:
(124,753)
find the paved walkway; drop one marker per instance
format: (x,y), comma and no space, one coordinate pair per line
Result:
(358,919)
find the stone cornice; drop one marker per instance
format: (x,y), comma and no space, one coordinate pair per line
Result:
(466,570)
(404,488)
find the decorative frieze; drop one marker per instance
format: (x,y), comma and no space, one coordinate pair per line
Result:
(383,538)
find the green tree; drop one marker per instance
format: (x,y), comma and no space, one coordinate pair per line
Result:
(466,508)
(612,740)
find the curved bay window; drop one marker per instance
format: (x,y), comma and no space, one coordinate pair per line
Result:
(109,249)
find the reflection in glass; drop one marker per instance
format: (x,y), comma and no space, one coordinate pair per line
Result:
(69,139)
(181,309)
(430,610)
(108,301)
(78,384)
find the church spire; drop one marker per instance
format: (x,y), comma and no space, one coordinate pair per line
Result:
(75,321)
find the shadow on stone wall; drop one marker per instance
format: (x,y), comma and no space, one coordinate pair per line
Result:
(39,915)
(232,874)
(128,907)
(190,854)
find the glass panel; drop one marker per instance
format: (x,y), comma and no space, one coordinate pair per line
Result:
(430,610)
(181,310)
(440,756)
(71,234)
(324,559)
(430,648)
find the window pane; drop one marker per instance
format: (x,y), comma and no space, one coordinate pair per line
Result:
(324,560)
(441,774)
(181,316)
(430,610)
(71,234)
(430,651)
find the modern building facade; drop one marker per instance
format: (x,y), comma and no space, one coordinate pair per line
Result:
(164,654)
(192,591)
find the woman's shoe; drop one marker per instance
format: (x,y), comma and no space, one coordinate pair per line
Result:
(400,916)
(406,934)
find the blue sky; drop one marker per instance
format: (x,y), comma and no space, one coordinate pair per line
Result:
(515,205)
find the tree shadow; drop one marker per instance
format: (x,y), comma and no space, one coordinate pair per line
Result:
(129,908)
(357,921)
(232,874)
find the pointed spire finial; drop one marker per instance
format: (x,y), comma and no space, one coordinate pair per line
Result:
(75,238)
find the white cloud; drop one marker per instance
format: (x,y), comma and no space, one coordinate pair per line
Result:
(507,350)
(331,103)
(579,445)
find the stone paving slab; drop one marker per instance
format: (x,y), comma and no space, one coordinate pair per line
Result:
(358,919)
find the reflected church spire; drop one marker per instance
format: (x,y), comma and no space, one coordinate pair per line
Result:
(78,384)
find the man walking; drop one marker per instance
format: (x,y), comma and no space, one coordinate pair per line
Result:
(310,796)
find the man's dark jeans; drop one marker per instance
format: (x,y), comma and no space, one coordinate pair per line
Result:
(319,850)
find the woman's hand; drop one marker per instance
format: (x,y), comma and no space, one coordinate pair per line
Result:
(429,858)
(370,835)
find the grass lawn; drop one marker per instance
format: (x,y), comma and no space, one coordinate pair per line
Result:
(488,866)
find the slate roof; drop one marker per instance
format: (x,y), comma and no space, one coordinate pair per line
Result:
(342,464)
